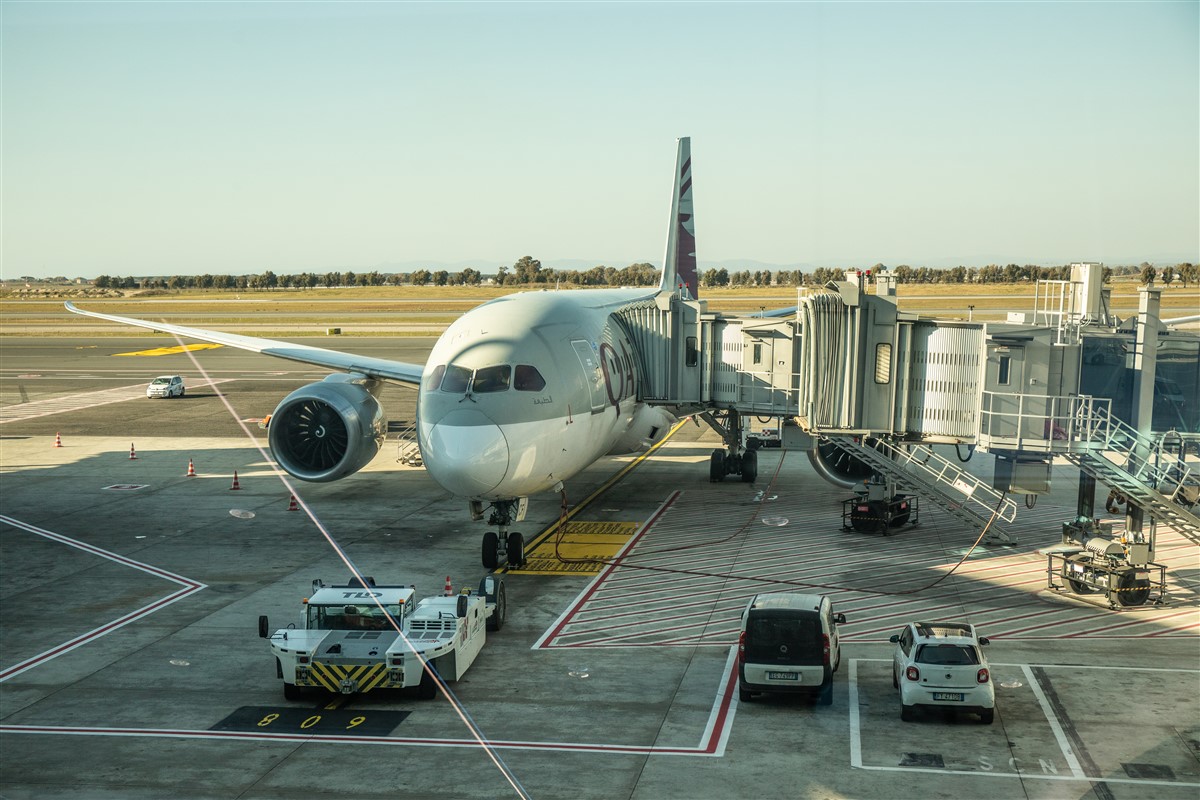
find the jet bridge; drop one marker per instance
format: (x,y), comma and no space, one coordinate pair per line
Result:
(858,377)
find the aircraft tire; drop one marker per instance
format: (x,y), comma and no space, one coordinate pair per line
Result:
(749,466)
(491,547)
(716,466)
(516,550)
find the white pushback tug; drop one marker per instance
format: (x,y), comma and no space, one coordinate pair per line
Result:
(358,637)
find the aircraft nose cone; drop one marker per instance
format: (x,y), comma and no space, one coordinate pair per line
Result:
(466,453)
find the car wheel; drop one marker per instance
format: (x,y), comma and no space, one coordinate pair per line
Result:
(895,681)
(745,695)
(906,713)
(987,715)
(182,391)
(427,689)
(825,695)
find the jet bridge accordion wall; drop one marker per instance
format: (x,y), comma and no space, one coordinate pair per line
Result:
(941,398)
(864,370)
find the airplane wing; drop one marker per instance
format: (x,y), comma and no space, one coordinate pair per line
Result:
(398,371)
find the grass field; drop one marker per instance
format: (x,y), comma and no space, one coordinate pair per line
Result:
(426,310)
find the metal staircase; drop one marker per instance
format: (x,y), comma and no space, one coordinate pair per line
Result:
(918,469)
(1142,469)
(408,452)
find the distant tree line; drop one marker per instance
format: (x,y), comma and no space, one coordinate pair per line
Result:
(528,270)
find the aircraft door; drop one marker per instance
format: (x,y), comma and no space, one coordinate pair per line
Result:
(593,375)
(1005,382)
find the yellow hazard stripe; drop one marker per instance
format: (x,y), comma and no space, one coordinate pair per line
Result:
(330,676)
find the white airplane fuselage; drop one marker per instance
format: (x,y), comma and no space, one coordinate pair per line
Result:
(558,390)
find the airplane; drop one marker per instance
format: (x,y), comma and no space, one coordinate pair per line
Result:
(519,394)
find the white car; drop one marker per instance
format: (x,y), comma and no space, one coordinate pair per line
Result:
(166,386)
(941,665)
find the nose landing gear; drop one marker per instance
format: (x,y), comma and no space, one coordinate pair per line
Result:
(501,545)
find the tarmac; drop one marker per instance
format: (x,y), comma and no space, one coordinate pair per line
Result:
(130,663)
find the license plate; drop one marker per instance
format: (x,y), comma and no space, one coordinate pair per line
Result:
(783,676)
(956,696)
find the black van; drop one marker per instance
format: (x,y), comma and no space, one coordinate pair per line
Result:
(789,643)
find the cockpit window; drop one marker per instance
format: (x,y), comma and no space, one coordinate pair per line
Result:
(528,379)
(435,377)
(492,379)
(456,379)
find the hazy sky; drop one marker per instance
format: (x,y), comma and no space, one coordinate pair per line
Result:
(157,138)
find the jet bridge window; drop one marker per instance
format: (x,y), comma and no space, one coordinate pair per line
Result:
(492,379)
(528,379)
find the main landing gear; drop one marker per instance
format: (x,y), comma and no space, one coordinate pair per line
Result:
(735,459)
(501,545)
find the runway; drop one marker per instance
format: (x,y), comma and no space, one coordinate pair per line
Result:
(132,668)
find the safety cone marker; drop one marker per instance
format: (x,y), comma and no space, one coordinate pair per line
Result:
(293,505)
(57,440)
(449,588)
(191,473)
(236,485)
(132,454)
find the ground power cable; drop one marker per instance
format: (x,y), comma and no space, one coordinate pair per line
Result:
(620,561)
(468,721)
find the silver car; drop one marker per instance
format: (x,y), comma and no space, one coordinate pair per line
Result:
(166,386)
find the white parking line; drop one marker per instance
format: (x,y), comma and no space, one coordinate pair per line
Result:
(1077,771)
(1059,735)
(188,585)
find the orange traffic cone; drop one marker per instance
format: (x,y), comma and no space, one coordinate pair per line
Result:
(236,485)
(191,473)
(293,505)
(449,588)
(57,440)
(132,454)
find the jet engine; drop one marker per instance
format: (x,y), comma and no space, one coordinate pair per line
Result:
(837,466)
(649,424)
(328,430)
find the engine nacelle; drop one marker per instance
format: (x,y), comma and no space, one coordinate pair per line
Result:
(837,466)
(328,430)
(649,424)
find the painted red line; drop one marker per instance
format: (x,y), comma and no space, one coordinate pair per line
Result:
(378,740)
(591,590)
(1139,621)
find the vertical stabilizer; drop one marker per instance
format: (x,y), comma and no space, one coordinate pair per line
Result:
(679,263)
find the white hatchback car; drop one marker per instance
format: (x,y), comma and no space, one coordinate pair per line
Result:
(941,665)
(166,386)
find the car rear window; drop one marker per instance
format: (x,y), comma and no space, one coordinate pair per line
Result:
(947,654)
(791,638)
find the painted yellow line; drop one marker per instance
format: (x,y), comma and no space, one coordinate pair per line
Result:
(543,544)
(336,703)
(170,351)
(585,545)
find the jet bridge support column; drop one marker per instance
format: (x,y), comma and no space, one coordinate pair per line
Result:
(1144,362)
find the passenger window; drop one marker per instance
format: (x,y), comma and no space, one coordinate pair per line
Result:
(528,379)
(492,379)
(456,379)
